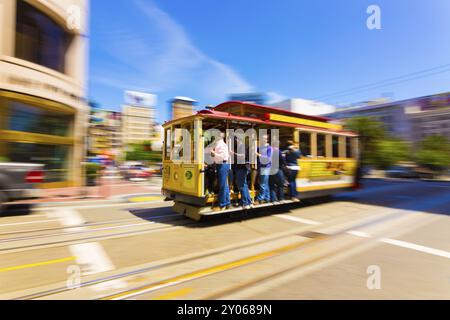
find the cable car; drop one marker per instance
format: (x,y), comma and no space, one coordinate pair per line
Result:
(329,162)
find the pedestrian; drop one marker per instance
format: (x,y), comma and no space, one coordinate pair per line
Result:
(221,156)
(264,154)
(292,155)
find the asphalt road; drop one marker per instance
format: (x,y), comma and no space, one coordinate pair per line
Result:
(390,240)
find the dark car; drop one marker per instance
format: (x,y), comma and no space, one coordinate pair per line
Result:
(402,172)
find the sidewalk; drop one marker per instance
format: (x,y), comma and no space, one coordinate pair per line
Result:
(105,190)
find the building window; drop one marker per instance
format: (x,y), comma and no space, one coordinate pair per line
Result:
(53,157)
(33,119)
(39,39)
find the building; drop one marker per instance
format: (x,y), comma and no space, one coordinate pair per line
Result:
(257,98)
(138,117)
(182,107)
(303,106)
(411,119)
(105,134)
(43,109)
(430,122)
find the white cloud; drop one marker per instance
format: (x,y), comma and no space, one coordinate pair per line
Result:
(164,58)
(274,97)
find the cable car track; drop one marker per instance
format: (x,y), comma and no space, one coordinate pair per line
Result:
(99,237)
(307,233)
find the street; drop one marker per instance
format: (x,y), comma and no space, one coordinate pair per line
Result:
(389,240)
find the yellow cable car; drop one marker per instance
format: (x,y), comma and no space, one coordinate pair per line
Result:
(329,162)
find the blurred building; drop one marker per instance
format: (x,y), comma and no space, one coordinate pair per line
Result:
(430,122)
(43,113)
(105,134)
(157,137)
(304,106)
(182,107)
(138,117)
(411,119)
(257,98)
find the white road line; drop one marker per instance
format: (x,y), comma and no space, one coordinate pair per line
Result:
(363,234)
(92,258)
(68,217)
(416,247)
(403,244)
(359,234)
(29,222)
(296,219)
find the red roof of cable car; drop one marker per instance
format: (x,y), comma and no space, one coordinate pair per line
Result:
(213,113)
(224,105)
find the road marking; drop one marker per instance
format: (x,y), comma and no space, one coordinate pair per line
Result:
(68,217)
(93,259)
(145,199)
(205,272)
(359,234)
(38,264)
(91,256)
(296,219)
(404,244)
(417,247)
(175,294)
(29,222)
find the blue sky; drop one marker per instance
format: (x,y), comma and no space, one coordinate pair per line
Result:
(206,49)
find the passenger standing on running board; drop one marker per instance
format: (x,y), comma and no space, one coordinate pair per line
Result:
(221,156)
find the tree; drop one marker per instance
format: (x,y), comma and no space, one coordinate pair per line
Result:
(434,153)
(143,152)
(370,132)
(391,151)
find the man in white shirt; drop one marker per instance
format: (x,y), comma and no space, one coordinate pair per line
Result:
(221,156)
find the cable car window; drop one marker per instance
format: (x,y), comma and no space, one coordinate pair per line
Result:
(188,142)
(321,145)
(177,153)
(305,144)
(168,143)
(335,142)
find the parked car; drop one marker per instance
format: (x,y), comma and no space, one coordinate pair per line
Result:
(18,181)
(402,172)
(138,172)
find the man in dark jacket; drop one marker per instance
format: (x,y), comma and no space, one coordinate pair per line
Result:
(276,180)
(292,155)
